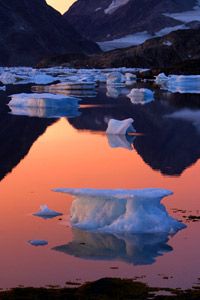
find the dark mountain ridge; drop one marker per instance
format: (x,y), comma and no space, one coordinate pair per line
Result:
(32,30)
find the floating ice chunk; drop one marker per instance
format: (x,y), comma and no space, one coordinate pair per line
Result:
(120,127)
(42,79)
(37,243)
(161,78)
(141,96)
(130,78)
(121,211)
(136,249)
(121,141)
(42,100)
(115,79)
(47,213)
(70,86)
(180,83)
(9,78)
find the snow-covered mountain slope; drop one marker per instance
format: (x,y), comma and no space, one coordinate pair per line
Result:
(124,23)
(31,30)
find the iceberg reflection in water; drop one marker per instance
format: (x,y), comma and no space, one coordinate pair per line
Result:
(121,211)
(137,249)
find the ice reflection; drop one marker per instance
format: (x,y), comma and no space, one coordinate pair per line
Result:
(138,249)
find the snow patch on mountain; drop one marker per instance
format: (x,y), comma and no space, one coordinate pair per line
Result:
(115,5)
(137,38)
(187,16)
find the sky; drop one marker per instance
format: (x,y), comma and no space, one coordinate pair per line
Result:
(61,5)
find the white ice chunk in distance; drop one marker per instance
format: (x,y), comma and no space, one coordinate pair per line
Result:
(115,79)
(47,213)
(120,127)
(121,211)
(141,96)
(38,243)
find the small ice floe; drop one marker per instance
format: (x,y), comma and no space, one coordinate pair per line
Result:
(121,211)
(114,92)
(47,213)
(141,96)
(19,77)
(38,243)
(161,79)
(130,78)
(60,90)
(117,127)
(115,79)
(70,86)
(183,84)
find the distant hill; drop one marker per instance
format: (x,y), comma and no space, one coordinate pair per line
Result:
(31,30)
(122,23)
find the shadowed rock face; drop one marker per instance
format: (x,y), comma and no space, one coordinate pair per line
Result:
(90,19)
(32,30)
(17,135)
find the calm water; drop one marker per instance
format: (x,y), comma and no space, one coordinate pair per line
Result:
(37,155)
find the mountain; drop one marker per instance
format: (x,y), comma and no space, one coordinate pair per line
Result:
(122,23)
(32,30)
(178,52)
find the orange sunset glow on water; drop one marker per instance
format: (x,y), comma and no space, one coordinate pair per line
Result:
(66,157)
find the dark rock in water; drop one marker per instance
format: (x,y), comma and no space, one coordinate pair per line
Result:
(32,30)
(100,20)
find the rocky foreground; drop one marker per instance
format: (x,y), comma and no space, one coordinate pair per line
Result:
(103,289)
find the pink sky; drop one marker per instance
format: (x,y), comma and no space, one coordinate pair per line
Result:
(61,5)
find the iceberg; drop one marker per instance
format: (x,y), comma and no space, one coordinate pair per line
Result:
(3,88)
(42,100)
(37,243)
(115,79)
(141,96)
(47,213)
(121,211)
(120,127)
(182,84)
(136,249)
(70,86)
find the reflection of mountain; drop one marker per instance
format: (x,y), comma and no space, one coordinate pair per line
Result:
(169,146)
(141,249)
(17,135)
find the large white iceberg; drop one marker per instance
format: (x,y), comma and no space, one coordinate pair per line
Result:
(120,127)
(136,249)
(44,105)
(141,96)
(47,213)
(42,100)
(121,211)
